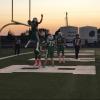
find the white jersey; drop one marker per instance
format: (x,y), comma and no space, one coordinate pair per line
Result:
(77,41)
(50,40)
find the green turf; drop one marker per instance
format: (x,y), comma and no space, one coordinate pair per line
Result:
(39,86)
(10,51)
(48,86)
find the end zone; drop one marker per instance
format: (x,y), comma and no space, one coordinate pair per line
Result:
(81,70)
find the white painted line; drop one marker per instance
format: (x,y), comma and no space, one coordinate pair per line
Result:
(72,59)
(90,52)
(82,70)
(81,51)
(85,70)
(80,54)
(80,59)
(2,58)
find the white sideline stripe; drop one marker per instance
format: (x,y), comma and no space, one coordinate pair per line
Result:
(82,70)
(2,58)
(72,59)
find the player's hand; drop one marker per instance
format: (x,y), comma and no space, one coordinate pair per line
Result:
(29,22)
(41,15)
(25,46)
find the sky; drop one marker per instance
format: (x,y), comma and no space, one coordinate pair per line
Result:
(80,13)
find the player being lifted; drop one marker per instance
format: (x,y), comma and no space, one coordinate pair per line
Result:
(60,47)
(34,37)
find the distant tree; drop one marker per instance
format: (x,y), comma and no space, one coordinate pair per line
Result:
(56,33)
(10,36)
(9,33)
(98,31)
(22,34)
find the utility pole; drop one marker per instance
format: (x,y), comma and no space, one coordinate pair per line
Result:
(29,9)
(12,11)
(66,19)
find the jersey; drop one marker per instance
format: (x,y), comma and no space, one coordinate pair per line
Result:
(77,42)
(34,30)
(50,46)
(34,25)
(50,41)
(60,40)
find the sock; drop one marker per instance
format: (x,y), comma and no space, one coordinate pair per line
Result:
(59,59)
(63,59)
(52,62)
(39,62)
(35,63)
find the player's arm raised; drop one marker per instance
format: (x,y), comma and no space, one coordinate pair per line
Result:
(41,19)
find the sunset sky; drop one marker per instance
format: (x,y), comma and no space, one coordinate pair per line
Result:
(80,13)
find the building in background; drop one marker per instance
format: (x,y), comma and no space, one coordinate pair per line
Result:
(69,33)
(98,35)
(88,35)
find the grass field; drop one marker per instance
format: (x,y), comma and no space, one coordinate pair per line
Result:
(45,86)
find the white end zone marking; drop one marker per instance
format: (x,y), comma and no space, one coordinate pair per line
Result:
(82,70)
(80,54)
(81,51)
(72,59)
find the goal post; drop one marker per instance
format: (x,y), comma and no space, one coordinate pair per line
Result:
(13,22)
(17,22)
